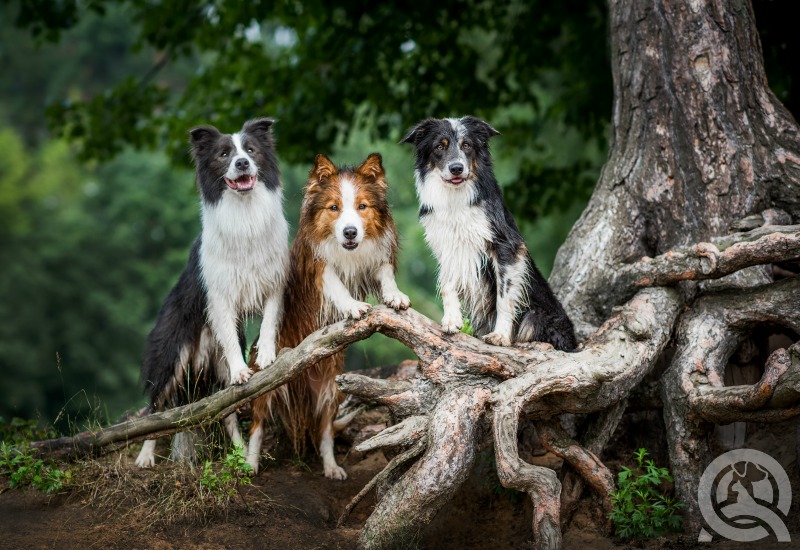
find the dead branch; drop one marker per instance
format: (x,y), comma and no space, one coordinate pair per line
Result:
(584,461)
(722,256)
(407,432)
(596,437)
(383,475)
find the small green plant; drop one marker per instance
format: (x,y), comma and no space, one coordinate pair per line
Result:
(24,469)
(223,483)
(20,430)
(640,507)
(467,328)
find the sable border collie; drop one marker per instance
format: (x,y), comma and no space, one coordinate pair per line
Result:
(345,249)
(483,260)
(237,267)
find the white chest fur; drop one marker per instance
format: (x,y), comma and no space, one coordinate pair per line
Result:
(244,251)
(457,233)
(357,269)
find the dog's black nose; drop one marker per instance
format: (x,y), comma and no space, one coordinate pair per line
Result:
(350,233)
(242,164)
(456,168)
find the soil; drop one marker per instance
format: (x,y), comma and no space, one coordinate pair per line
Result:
(291,505)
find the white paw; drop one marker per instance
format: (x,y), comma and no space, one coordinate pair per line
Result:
(396,300)
(497,339)
(265,356)
(240,374)
(334,471)
(146,458)
(253,463)
(452,323)
(357,309)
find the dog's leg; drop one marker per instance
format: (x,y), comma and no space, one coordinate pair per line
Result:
(223,321)
(329,466)
(147,456)
(510,295)
(273,308)
(184,448)
(254,448)
(452,320)
(232,427)
(334,290)
(392,296)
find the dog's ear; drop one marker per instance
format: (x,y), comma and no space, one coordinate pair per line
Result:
(479,127)
(419,131)
(372,169)
(202,138)
(260,128)
(322,171)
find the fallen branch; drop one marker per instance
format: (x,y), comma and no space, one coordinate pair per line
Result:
(289,363)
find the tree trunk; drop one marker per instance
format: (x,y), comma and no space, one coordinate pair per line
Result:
(698,142)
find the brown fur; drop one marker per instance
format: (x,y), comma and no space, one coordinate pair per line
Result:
(308,403)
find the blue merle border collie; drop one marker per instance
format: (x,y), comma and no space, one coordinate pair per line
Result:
(483,260)
(237,268)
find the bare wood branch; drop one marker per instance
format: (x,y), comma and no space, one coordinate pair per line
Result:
(407,432)
(403,397)
(384,474)
(584,461)
(430,482)
(594,440)
(722,256)
(290,363)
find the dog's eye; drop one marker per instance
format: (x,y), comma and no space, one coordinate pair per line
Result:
(333,208)
(249,149)
(466,146)
(362,206)
(440,147)
(224,154)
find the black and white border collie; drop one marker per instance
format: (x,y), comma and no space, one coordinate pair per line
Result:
(237,267)
(483,260)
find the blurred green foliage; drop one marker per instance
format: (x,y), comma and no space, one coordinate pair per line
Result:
(97,214)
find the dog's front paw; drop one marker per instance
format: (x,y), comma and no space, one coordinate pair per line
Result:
(452,323)
(241,374)
(497,339)
(396,300)
(145,462)
(357,309)
(334,471)
(147,456)
(265,356)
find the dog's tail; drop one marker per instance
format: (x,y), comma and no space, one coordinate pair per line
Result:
(553,327)
(305,405)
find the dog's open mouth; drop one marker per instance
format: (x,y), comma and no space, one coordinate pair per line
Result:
(350,245)
(455,181)
(242,183)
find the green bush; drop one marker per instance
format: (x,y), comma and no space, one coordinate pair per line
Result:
(640,507)
(24,469)
(226,481)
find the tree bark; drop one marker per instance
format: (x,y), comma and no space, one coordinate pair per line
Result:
(698,142)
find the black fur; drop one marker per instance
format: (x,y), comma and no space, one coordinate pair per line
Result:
(180,322)
(437,145)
